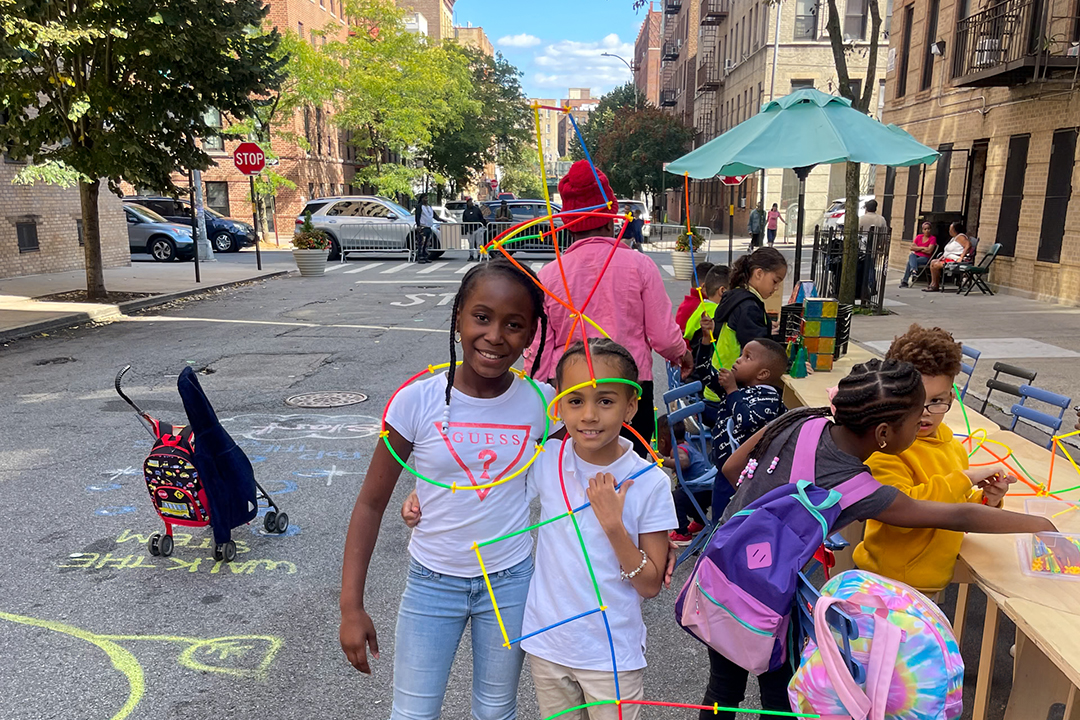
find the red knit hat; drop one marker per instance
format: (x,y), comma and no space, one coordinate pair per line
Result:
(578,189)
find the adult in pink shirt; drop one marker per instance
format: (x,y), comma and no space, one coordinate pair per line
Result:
(630,303)
(921,251)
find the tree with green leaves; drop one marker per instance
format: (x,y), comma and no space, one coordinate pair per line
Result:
(624,97)
(495,125)
(120,90)
(396,90)
(521,176)
(635,146)
(842,50)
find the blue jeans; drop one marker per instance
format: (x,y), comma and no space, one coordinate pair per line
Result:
(434,611)
(914,262)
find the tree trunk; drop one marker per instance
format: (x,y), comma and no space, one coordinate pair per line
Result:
(95,268)
(851,234)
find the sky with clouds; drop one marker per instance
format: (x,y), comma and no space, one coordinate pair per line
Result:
(558,44)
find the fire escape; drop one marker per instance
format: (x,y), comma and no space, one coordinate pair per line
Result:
(710,77)
(670,48)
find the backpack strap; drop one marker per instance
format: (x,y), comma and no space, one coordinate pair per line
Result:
(857,488)
(804,462)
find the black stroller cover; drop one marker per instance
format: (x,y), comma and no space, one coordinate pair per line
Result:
(225,470)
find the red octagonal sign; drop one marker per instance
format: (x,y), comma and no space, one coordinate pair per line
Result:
(732,179)
(249,158)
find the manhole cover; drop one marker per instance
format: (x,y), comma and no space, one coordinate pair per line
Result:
(339,398)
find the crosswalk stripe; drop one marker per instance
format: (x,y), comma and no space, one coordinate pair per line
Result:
(670,270)
(335,266)
(432,269)
(537,266)
(463,269)
(396,268)
(362,268)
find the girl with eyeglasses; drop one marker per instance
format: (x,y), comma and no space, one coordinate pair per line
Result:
(935,467)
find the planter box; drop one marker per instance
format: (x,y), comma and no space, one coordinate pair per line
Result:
(311,263)
(683,265)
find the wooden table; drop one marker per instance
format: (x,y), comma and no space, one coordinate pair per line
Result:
(1046,611)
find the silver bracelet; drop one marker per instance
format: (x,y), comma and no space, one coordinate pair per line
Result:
(632,575)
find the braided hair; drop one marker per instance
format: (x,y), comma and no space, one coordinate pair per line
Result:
(601,347)
(874,392)
(496,266)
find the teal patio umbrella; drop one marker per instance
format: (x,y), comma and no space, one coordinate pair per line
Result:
(799,131)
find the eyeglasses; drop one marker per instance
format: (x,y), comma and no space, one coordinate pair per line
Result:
(938,408)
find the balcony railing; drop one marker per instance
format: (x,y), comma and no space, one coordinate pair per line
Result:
(713,12)
(669,97)
(672,7)
(1014,42)
(670,50)
(709,76)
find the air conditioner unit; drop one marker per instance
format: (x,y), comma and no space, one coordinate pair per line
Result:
(729,65)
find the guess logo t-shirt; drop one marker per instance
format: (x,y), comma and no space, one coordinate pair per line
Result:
(488,439)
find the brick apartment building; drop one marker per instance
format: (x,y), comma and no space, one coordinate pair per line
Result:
(41,227)
(744,54)
(439,15)
(549,129)
(581,102)
(647,56)
(995,91)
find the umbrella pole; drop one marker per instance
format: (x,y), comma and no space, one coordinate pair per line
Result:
(731,227)
(801,172)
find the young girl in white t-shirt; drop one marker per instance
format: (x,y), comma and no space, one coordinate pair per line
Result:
(625,534)
(473,426)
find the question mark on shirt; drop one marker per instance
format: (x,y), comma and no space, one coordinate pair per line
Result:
(488,457)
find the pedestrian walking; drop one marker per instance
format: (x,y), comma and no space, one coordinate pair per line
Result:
(425,226)
(756,225)
(635,233)
(474,224)
(770,223)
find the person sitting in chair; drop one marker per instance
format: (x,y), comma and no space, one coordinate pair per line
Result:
(954,252)
(922,249)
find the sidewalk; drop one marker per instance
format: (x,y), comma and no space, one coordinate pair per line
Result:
(1031,334)
(21,314)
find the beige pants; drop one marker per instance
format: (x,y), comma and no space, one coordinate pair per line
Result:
(559,687)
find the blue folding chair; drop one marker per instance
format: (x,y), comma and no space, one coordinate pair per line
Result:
(806,596)
(702,439)
(1021,410)
(674,376)
(969,370)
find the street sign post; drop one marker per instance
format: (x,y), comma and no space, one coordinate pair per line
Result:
(250,159)
(731,181)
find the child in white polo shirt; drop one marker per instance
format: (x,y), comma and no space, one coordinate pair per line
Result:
(624,531)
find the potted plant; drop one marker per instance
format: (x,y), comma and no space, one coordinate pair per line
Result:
(681,259)
(310,249)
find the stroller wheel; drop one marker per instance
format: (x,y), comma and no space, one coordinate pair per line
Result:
(229,551)
(154,545)
(270,522)
(282,523)
(166,545)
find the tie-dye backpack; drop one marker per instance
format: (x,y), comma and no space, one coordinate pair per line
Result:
(913,666)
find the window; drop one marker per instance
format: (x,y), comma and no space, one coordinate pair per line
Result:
(855,85)
(931,37)
(765,25)
(28,239)
(1012,194)
(799,84)
(855,20)
(941,178)
(307,127)
(311,191)
(332,8)
(79,233)
(886,19)
(1058,190)
(217,197)
(806,19)
(911,202)
(318,131)
(314,38)
(212,143)
(322,4)
(300,29)
(905,53)
(887,195)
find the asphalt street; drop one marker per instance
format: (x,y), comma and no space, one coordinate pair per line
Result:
(94,627)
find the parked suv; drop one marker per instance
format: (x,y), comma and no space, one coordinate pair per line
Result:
(834,216)
(521,211)
(148,232)
(226,234)
(366,223)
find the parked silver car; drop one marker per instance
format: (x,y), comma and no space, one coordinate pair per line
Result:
(148,232)
(366,223)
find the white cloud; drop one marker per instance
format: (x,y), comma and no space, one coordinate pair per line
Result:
(523,40)
(569,63)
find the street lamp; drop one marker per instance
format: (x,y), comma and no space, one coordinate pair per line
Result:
(627,64)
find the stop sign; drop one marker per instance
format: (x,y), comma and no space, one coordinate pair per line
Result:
(494,184)
(732,179)
(249,158)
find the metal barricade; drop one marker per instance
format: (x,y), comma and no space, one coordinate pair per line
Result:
(872,268)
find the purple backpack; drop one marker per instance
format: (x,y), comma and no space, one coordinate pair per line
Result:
(739,597)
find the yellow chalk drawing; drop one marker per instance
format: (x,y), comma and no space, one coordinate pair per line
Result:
(200,655)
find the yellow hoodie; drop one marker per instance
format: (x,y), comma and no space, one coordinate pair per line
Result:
(931,469)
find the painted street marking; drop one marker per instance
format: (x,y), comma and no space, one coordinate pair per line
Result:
(330,474)
(362,268)
(463,269)
(427,281)
(396,268)
(265,427)
(670,270)
(337,266)
(1000,348)
(433,268)
(537,266)
(418,299)
(279,323)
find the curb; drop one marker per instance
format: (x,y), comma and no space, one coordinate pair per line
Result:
(79,318)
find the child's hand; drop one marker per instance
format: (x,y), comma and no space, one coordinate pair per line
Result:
(994,481)
(607,502)
(726,378)
(410,510)
(708,325)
